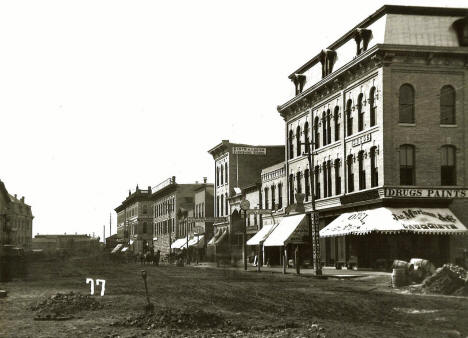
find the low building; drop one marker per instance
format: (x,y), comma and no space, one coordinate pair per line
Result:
(15,220)
(72,244)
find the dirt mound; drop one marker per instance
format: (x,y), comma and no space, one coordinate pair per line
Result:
(173,318)
(66,304)
(447,280)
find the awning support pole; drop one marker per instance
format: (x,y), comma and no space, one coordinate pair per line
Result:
(297,260)
(259,253)
(285,258)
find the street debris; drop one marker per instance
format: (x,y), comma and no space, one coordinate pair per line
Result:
(449,279)
(61,305)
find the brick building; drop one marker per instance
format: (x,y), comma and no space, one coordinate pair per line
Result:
(384,109)
(135,219)
(15,220)
(237,168)
(172,204)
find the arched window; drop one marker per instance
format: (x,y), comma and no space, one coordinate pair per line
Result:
(226,204)
(217,207)
(447,105)
(407,174)
(306,137)
(349,163)
(328,126)
(291,144)
(448,169)
(372,107)
(317,182)
(325,180)
(324,129)
(217,176)
(298,141)
(291,189)
(221,205)
(226,172)
(406,104)
(222,175)
(349,118)
(266,199)
(316,133)
(307,184)
(329,178)
(273,197)
(374,167)
(337,177)
(299,182)
(362,171)
(145,226)
(360,113)
(280,195)
(337,122)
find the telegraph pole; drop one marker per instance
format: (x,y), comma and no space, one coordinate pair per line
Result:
(245,205)
(314,216)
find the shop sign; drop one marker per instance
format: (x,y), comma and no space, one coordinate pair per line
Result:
(425,193)
(248,151)
(259,212)
(360,196)
(361,139)
(206,219)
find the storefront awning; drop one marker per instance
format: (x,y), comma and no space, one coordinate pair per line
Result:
(221,237)
(395,220)
(125,249)
(179,243)
(291,229)
(197,241)
(117,248)
(262,234)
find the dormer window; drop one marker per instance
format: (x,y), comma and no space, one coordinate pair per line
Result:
(327,59)
(299,82)
(362,38)
(461,27)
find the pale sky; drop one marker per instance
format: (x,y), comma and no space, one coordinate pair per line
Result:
(98,96)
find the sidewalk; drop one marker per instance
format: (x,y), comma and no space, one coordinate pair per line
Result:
(327,272)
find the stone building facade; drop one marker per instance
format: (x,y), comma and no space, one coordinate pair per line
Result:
(383,111)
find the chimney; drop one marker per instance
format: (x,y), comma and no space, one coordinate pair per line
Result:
(196,182)
(129,192)
(16,197)
(22,199)
(173,180)
(149,189)
(205,179)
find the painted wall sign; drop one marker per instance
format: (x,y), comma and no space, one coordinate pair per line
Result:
(248,151)
(425,193)
(361,139)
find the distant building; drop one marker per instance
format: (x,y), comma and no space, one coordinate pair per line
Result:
(15,220)
(73,244)
(135,219)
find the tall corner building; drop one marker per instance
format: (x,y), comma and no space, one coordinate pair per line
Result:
(384,110)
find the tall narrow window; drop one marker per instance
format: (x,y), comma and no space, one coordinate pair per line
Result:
(349,162)
(298,183)
(349,118)
(273,197)
(337,122)
(217,207)
(226,205)
(337,177)
(291,189)
(324,129)
(362,171)
(225,172)
(307,184)
(447,105)
(448,168)
(372,107)
(374,167)
(406,104)
(222,204)
(291,145)
(298,141)
(306,137)
(266,198)
(329,126)
(329,178)
(217,176)
(280,195)
(317,182)
(360,113)
(222,175)
(407,175)
(325,180)
(316,133)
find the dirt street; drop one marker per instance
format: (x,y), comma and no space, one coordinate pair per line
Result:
(199,302)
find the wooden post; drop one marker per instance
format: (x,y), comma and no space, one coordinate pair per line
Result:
(259,252)
(244,240)
(297,260)
(285,259)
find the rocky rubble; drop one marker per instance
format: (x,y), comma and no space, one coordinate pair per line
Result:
(65,304)
(449,279)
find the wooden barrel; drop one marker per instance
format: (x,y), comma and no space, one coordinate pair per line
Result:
(398,277)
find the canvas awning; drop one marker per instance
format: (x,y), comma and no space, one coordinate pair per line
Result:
(117,248)
(291,229)
(215,236)
(221,237)
(125,249)
(197,241)
(395,220)
(179,243)
(262,234)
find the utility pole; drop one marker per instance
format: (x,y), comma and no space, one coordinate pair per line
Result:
(245,205)
(314,217)
(104,234)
